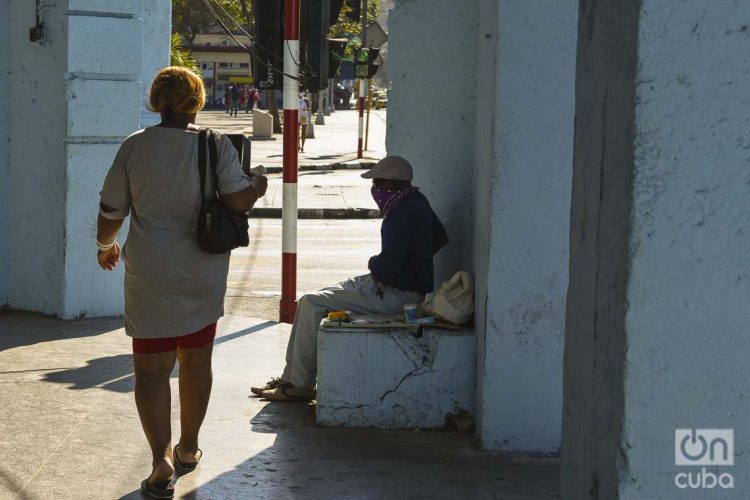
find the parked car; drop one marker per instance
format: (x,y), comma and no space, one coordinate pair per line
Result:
(341,97)
(381,101)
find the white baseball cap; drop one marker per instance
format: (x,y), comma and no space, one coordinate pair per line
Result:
(391,167)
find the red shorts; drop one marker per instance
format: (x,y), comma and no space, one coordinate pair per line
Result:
(201,338)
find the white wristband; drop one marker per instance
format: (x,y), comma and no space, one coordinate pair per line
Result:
(102,247)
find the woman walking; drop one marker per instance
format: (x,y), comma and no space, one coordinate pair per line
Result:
(174,291)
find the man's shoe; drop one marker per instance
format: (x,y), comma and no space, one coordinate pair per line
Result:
(271,384)
(289,392)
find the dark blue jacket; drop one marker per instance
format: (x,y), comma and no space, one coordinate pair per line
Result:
(410,235)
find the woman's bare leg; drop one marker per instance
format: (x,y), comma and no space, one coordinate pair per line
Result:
(196,379)
(153,400)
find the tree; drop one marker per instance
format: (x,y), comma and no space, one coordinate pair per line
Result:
(178,56)
(190,17)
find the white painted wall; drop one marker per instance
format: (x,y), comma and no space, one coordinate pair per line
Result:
(74,98)
(105,104)
(157,23)
(657,322)
(37,176)
(689,239)
(483,180)
(431,110)
(530,205)
(4,146)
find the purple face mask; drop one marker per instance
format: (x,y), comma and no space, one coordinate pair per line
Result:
(382,197)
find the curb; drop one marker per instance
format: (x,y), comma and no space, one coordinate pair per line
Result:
(363,165)
(318,213)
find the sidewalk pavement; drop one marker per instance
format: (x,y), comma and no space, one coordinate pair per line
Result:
(69,429)
(330,185)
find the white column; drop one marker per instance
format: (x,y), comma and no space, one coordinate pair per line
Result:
(72,104)
(5,62)
(657,327)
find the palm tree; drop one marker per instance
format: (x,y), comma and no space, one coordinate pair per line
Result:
(179,56)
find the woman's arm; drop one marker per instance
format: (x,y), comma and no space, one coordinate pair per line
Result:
(242,201)
(106,232)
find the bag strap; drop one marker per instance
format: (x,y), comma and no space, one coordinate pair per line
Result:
(202,160)
(213,158)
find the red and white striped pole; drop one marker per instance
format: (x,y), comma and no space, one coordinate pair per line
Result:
(288,305)
(361,107)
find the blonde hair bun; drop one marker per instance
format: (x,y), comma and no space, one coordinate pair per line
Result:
(176,90)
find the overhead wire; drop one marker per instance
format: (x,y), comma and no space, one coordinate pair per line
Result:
(248,49)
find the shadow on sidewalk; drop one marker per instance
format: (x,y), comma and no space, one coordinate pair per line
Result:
(311,462)
(18,329)
(115,373)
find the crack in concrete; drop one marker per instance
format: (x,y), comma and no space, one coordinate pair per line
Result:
(413,373)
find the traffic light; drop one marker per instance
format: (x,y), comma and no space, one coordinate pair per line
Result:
(372,66)
(315,21)
(360,62)
(364,62)
(314,25)
(269,44)
(355,9)
(336,48)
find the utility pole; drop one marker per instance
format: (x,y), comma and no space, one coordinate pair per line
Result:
(362,83)
(288,304)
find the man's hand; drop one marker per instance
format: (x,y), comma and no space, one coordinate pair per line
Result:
(260,182)
(108,259)
(379,287)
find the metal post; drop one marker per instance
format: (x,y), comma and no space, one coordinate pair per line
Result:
(331,96)
(288,305)
(369,105)
(329,99)
(214,89)
(361,108)
(319,120)
(362,83)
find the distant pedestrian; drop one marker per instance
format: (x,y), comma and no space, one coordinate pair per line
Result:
(304,119)
(243,98)
(250,104)
(174,291)
(234,99)
(227,104)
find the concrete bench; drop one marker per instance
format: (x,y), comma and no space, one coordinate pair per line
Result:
(392,379)
(262,124)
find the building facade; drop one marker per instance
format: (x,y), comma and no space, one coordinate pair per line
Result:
(222,62)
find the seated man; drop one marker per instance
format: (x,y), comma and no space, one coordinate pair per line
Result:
(402,273)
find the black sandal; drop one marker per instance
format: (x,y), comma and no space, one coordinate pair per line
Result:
(185,466)
(164,489)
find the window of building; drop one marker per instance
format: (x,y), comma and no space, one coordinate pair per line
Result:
(204,66)
(222,65)
(244,65)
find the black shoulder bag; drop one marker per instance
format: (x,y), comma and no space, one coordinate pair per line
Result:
(219,230)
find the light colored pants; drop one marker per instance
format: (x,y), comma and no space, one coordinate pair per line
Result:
(357,295)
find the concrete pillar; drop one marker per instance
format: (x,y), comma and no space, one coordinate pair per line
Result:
(485,113)
(431,109)
(73,99)
(522,196)
(4,146)
(656,332)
